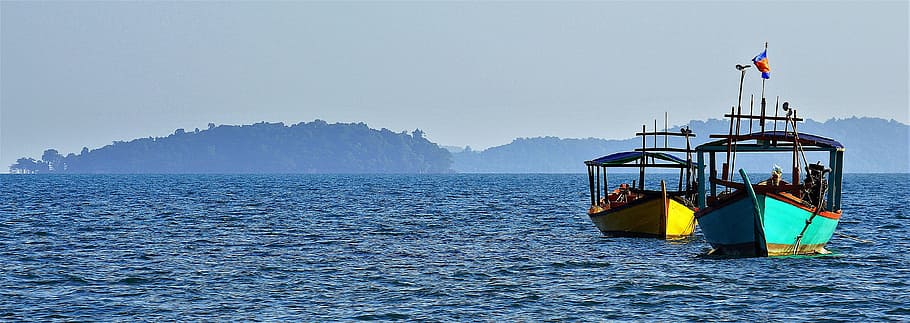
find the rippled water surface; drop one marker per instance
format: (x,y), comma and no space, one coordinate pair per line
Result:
(421,247)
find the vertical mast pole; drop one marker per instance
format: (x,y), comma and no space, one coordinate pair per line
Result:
(666,127)
(655,133)
(655,139)
(763,81)
(739,121)
(763,98)
(739,103)
(751,111)
(724,172)
(597,182)
(689,160)
(776,105)
(591,184)
(642,160)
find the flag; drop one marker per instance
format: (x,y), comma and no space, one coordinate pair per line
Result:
(761,63)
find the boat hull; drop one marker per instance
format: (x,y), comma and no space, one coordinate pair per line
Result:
(653,217)
(733,228)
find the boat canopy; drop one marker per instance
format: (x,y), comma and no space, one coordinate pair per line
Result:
(627,157)
(769,141)
(805,139)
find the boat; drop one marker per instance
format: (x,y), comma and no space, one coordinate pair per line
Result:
(631,210)
(771,217)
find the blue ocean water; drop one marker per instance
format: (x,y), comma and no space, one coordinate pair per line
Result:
(411,247)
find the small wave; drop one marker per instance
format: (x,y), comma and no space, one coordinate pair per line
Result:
(898,311)
(381,317)
(67,280)
(580,264)
(890,227)
(674,287)
(589,303)
(133,281)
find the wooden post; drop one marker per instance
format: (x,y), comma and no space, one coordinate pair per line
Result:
(738,123)
(729,142)
(662,226)
(655,138)
(776,104)
(832,184)
(751,111)
(796,168)
(591,184)
(700,197)
(739,104)
(666,120)
(713,174)
(795,162)
(597,180)
(838,180)
(688,161)
(787,121)
(641,171)
(762,119)
(679,187)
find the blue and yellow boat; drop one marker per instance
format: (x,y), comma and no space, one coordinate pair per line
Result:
(771,217)
(634,211)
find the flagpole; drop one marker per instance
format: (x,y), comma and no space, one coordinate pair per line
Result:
(763,90)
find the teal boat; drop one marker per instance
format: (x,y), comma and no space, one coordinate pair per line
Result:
(771,217)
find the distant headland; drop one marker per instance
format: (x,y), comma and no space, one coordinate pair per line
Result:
(314,147)
(874,145)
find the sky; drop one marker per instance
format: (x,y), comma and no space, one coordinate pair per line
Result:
(467,73)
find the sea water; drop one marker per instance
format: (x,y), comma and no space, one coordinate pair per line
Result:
(457,247)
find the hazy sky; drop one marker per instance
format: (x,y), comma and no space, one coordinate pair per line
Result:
(76,74)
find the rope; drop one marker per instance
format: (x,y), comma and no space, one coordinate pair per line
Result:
(691,226)
(799,146)
(818,208)
(852,238)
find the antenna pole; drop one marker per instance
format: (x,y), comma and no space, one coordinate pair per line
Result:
(739,100)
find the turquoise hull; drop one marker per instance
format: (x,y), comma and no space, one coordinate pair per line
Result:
(733,228)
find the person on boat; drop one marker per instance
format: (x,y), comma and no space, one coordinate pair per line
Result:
(623,193)
(605,203)
(776,173)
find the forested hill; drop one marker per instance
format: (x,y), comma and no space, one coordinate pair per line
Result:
(873,146)
(314,147)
